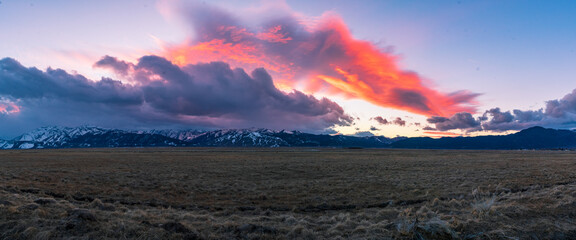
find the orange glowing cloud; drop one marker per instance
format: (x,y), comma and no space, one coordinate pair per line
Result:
(323,56)
(241,51)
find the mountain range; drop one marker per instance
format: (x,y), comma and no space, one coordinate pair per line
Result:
(86,137)
(94,137)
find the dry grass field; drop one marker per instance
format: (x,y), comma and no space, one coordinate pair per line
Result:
(286,193)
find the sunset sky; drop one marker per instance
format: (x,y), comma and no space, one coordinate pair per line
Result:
(409,68)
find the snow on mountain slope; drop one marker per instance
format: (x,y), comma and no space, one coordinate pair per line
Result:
(240,137)
(6,144)
(54,136)
(183,135)
(26,145)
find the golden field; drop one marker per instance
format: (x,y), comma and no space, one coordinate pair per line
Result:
(286,193)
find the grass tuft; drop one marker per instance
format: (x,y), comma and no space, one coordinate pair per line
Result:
(483,202)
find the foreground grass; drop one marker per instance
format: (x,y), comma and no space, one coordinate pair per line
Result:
(217,193)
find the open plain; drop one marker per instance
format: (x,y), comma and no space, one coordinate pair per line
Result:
(286,193)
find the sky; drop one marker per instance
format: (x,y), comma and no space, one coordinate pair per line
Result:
(389,68)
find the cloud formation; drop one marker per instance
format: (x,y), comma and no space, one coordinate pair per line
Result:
(161,94)
(381,120)
(320,54)
(461,120)
(8,107)
(397,121)
(559,113)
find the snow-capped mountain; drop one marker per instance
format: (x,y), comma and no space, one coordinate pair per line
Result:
(119,138)
(81,137)
(183,135)
(50,137)
(86,136)
(239,138)
(6,144)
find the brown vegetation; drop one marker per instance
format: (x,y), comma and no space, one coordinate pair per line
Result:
(217,193)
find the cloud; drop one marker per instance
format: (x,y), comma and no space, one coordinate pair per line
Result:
(207,95)
(562,107)
(8,107)
(18,82)
(397,121)
(381,120)
(559,113)
(461,120)
(496,120)
(119,67)
(372,128)
(320,54)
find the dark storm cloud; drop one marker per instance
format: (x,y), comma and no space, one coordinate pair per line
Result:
(216,90)
(202,95)
(559,113)
(496,120)
(457,121)
(185,90)
(19,82)
(498,116)
(562,107)
(528,116)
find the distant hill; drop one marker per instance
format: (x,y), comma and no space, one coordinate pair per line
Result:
(89,137)
(531,138)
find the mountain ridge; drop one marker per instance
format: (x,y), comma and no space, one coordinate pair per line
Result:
(89,136)
(96,137)
(531,138)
